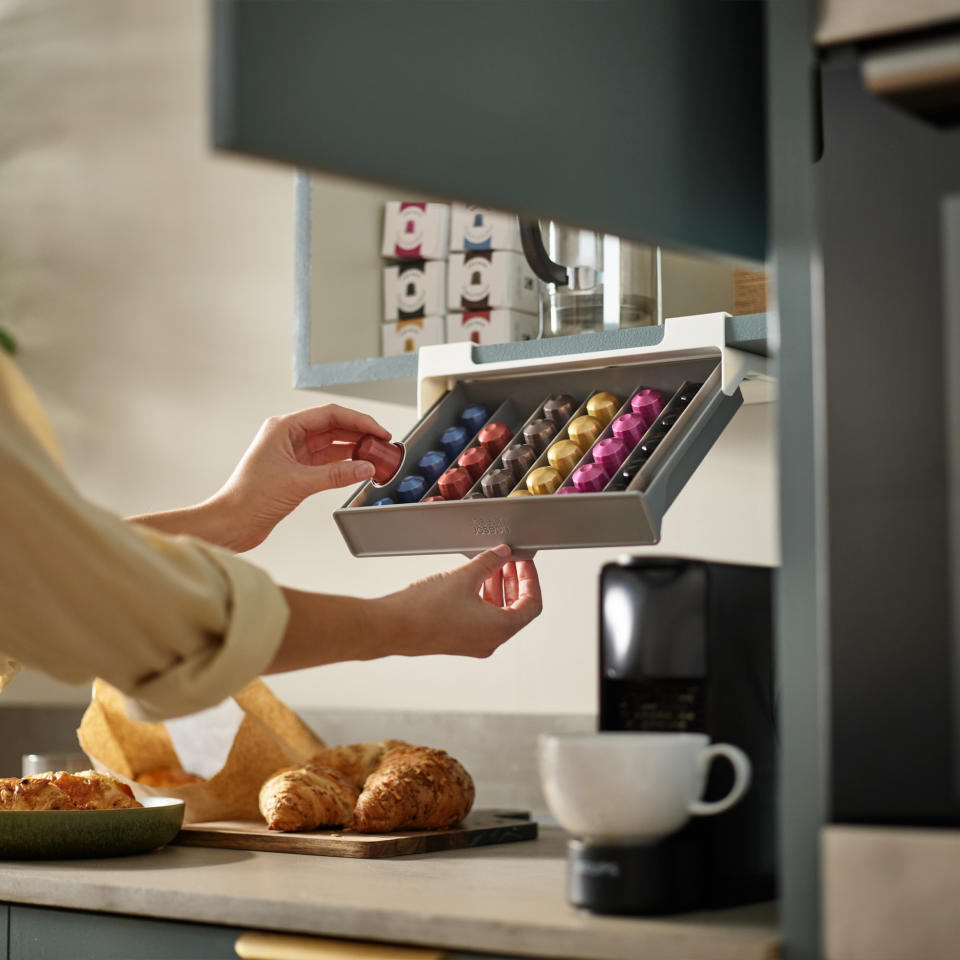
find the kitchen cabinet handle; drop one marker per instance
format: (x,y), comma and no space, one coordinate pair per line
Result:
(256,945)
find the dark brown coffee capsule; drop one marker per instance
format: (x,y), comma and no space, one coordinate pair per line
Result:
(559,407)
(498,483)
(539,433)
(519,458)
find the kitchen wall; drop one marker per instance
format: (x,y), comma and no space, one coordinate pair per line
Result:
(150,285)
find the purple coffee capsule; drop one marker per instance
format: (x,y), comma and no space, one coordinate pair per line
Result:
(590,478)
(432,464)
(498,483)
(474,417)
(648,403)
(539,433)
(519,458)
(411,488)
(453,440)
(630,428)
(568,490)
(610,453)
(559,407)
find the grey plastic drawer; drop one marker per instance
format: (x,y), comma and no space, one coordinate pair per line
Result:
(608,518)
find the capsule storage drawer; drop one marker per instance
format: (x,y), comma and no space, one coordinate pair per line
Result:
(623,508)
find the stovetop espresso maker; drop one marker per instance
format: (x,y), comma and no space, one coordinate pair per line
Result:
(686,647)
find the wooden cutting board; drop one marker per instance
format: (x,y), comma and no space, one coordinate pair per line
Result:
(480,828)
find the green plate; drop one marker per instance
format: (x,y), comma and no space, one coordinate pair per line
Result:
(67,834)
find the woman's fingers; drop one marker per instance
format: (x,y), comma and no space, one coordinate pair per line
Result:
(493,588)
(332,416)
(529,602)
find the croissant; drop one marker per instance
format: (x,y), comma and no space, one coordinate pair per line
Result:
(33,793)
(413,788)
(355,761)
(309,797)
(91,790)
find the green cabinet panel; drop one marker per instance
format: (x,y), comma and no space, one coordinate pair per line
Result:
(642,119)
(42,933)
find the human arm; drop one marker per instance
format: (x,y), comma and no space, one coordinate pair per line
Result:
(290,458)
(442,614)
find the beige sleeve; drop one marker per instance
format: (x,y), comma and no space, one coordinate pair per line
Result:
(175,623)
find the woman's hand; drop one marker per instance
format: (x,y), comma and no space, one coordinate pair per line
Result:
(467,612)
(291,457)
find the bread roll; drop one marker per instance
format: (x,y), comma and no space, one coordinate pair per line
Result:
(307,798)
(413,788)
(33,793)
(91,790)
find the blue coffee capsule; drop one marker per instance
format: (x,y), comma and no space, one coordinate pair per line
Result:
(474,417)
(453,440)
(384,502)
(411,488)
(432,464)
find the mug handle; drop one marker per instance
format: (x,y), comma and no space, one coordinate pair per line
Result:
(741,778)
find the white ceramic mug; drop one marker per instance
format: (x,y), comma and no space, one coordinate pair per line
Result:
(631,786)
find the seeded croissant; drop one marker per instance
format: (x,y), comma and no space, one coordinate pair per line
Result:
(413,788)
(355,761)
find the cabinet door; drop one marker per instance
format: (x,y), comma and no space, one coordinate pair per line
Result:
(40,933)
(644,120)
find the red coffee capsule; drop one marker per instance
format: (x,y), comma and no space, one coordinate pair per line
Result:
(386,457)
(454,483)
(432,500)
(494,436)
(475,460)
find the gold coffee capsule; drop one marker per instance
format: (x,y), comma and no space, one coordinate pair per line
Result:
(544,480)
(519,493)
(603,406)
(564,456)
(583,431)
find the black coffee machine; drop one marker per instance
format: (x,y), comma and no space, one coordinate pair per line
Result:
(687,646)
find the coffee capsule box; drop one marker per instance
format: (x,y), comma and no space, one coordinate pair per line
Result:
(477,228)
(415,230)
(490,279)
(617,501)
(408,336)
(492,326)
(415,289)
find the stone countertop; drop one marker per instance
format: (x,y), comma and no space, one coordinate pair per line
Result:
(500,899)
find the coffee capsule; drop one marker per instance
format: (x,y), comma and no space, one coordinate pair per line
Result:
(475,460)
(453,440)
(498,483)
(610,453)
(433,500)
(411,488)
(539,433)
(494,436)
(603,406)
(687,393)
(564,455)
(474,417)
(624,476)
(519,493)
(567,490)
(432,464)
(386,457)
(384,502)
(475,495)
(648,403)
(668,420)
(630,428)
(519,458)
(559,407)
(590,478)
(454,483)
(584,430)
(544,480)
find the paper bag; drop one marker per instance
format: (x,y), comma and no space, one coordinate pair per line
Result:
(251,739)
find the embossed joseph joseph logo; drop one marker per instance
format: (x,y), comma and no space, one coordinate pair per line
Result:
(496,527)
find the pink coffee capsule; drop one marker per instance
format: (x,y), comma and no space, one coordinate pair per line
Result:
(610,453)
(630,427)
(386,457)
(590,478)
(568,490)
(648,403)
